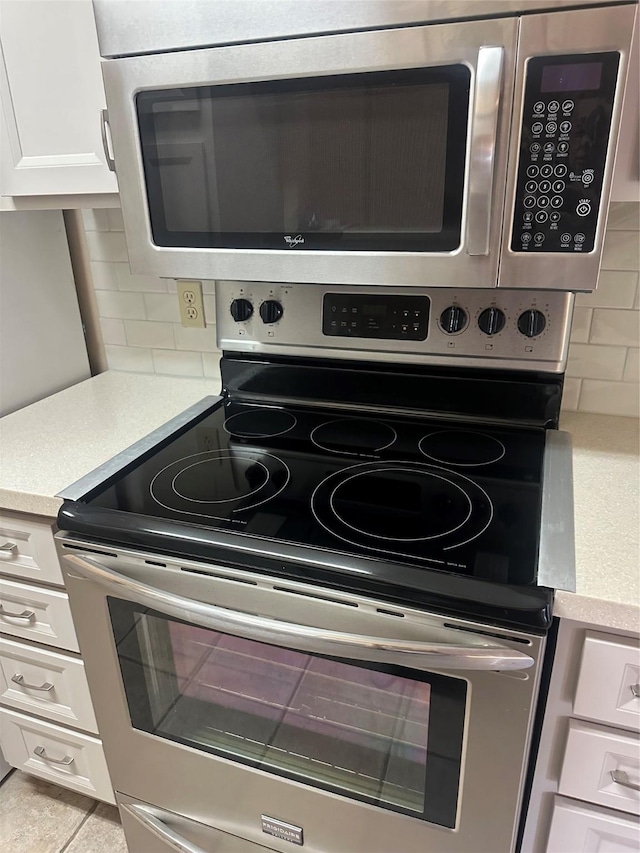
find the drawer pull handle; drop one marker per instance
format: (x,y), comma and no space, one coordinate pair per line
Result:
(19,679)
(635,689)
(26,614)
(8,550)
(622,778)
(67,760)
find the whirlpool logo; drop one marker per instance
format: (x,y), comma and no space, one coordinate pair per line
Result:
(293,241)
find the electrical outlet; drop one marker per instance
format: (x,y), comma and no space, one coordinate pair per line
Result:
(191,304)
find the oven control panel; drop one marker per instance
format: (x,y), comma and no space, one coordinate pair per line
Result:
(566,121)
(513,329)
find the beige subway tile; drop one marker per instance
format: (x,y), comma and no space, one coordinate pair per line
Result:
(172,287)
(113,331)
(142,333)
(106,246)
(570,394)
(162,306)
(196,340)
(104,275)
(632,366)
(209,308)
(588,361)
(621,250)
(123,306)
(208,286)
(177,363)
(615,326)
(114,217)
(624,216)
(95,220)
(581,324)
(610,398)
(149,283)
(211,364)
(616,289)
(133,359)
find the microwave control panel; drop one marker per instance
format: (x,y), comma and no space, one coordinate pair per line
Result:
(563,150)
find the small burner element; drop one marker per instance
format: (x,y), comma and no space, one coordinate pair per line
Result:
(201,482)
(353,436)
(260,423)
(462,448)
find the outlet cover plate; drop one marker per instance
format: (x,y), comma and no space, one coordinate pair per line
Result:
(191,304)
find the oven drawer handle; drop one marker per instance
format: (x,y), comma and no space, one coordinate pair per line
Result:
(476,652)
(484,132)
(163,832)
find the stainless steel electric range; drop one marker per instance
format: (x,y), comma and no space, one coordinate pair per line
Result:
(314,610)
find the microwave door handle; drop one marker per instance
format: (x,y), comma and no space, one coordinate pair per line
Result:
(484,132)
(164,833)
(105,130)
(475,652)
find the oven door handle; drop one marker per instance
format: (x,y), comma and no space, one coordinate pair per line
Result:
(163,833)
(484,137)
(444,652)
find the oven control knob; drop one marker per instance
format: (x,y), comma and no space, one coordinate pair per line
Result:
(491,321)
(271,311)
(532,323)
(241,310)
(453,319)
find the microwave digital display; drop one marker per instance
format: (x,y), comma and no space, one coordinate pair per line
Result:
(579,77)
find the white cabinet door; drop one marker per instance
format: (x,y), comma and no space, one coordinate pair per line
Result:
(51,94)
(579,828)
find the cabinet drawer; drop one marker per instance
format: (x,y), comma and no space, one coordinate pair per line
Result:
(579,828)
(50,684)
(33,555)
(36,614)
(592,754)
(67,758)
(609,680)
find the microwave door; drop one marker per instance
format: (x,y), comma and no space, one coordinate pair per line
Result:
(362,158)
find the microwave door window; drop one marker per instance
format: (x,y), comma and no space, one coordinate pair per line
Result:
(355,162)
(382,735)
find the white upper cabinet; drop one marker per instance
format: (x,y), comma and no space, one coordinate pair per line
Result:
(51,95)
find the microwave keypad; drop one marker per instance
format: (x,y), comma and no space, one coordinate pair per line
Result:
(563,149)
(403,318)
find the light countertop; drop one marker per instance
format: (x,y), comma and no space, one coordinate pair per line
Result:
(50,444)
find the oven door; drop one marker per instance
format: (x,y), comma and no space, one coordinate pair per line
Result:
(362,158)
(278,712)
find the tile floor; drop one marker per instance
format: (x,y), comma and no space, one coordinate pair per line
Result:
(38,817)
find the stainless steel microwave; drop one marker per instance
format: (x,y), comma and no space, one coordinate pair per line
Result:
(366,142)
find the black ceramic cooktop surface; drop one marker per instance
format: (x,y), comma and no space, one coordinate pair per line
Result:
(404,490)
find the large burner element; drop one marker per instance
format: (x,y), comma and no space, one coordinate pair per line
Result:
(353,436)
(385,506)
(215,483)
(462,448)
(260,423)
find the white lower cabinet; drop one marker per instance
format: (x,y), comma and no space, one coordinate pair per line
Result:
(55,753)
(35,613)
(580,828)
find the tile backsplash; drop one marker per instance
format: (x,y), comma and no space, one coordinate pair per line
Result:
(142,332)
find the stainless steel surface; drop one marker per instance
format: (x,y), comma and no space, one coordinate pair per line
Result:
(165,833)
(484,138)
(26,614)
(437,648)
(583,31)
(138,26)
(496,740)
(8,549)
(299,332)
(556,551)
(46,686)
(622,778)
(635,689)
(148,829)
(439,44)
(41,753)
(94,478)
(104,124)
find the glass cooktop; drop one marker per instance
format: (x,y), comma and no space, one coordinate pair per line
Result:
(411,491)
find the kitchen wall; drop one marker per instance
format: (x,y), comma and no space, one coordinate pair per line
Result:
(142,331)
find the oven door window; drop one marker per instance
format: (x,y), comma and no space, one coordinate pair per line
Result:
(379,734)
(356,162)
